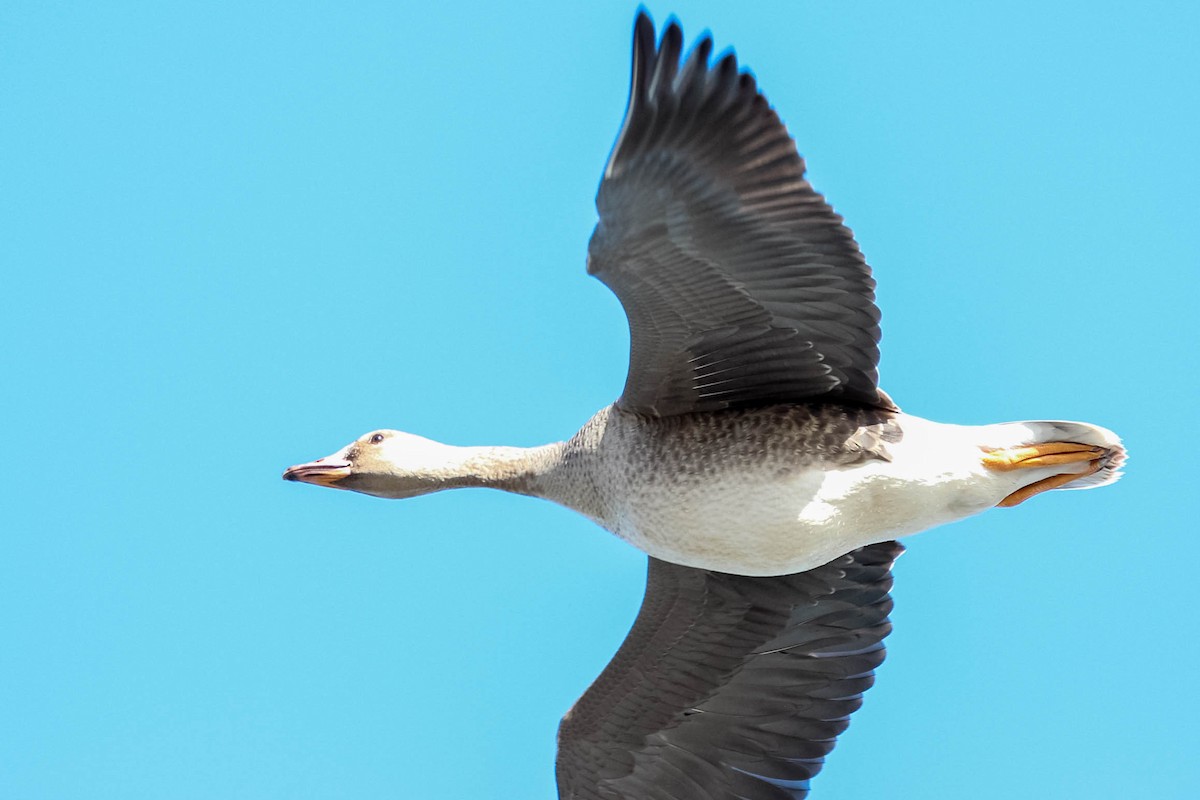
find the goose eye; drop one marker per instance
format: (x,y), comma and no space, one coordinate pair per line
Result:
(377,438)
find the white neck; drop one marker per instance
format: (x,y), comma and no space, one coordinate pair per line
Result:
(512,469)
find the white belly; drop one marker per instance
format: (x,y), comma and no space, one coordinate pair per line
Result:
(770,521)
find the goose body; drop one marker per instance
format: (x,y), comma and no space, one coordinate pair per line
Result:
(787,488)
(751,453)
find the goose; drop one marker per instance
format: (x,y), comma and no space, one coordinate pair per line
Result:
(751,454)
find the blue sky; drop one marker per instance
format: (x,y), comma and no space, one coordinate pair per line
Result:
(236,236)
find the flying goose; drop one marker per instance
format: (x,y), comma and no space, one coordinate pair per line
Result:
(751,453)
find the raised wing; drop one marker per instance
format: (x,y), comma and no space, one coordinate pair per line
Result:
(728,686)
(741,285)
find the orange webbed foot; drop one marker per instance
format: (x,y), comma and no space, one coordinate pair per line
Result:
(1045,454)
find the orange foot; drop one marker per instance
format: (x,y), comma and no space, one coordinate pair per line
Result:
(1046,454)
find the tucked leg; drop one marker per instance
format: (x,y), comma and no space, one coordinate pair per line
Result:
(1045,454)
(1045,485)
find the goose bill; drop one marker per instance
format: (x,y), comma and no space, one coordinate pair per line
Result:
(321,472)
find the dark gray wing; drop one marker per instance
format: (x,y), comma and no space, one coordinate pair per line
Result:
(741,285)
(730,687)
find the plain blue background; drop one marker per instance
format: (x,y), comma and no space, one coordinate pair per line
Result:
(236,236)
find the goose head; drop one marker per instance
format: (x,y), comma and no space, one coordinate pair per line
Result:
(383,463)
